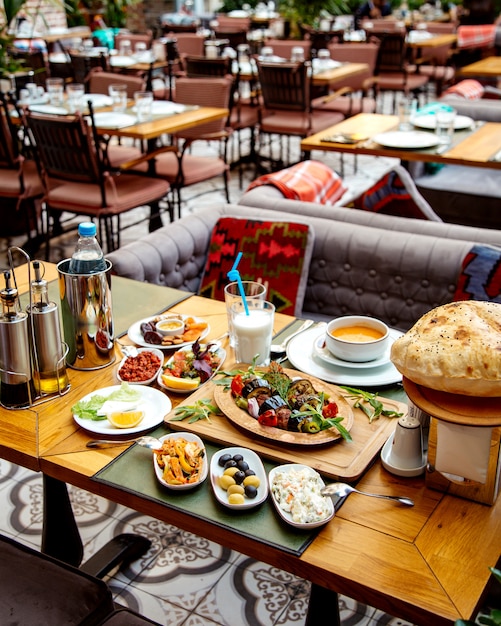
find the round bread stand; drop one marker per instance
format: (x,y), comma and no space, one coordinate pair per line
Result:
(461,411)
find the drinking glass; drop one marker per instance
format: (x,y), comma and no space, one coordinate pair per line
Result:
(445,125)
(253,332)
(297,54)
(125,48)
(406,111)
(144,102)
(76,93)
(118,93)
(252,290)
(55,89)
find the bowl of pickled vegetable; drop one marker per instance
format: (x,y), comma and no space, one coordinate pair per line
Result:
(181,463)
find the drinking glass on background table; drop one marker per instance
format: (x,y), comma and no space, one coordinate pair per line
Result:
(253,332)
(125,48)
(76,92)
(252,290)
(143,101)
(55,89)
(406,111)
(445,125)
(118,93)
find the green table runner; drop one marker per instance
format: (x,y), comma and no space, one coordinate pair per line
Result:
(133,472)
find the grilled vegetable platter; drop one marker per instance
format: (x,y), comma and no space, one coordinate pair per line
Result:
(285,406)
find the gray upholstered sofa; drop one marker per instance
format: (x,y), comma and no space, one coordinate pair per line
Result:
(389,267)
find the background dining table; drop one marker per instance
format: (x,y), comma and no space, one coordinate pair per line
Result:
(427,564)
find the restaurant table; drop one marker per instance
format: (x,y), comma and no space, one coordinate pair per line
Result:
(490,67)
(427,564)
(476,147)
(432,42)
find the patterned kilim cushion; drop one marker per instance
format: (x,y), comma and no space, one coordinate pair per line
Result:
(392,197)
(480,277)
(277,253)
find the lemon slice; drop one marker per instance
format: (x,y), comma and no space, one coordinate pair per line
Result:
(125,419)
(185,384)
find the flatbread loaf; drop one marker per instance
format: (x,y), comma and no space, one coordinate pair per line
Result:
(455,348)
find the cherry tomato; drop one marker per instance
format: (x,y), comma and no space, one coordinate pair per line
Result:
(268,418)
(330,410)
(237,384)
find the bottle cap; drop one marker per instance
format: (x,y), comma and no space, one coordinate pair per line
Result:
(87,229)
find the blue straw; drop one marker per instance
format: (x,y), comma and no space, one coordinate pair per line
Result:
(234,276)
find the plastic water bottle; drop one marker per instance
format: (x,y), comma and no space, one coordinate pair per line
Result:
(88,257)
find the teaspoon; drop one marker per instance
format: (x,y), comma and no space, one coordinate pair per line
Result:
(343,489)
(146,441)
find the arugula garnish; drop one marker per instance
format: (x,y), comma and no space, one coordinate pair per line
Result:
(201,410)
(364,398)
(314,412)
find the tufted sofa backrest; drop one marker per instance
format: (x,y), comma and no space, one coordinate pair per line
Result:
(355,269)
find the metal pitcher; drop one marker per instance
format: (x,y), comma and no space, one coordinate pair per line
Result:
(86,312)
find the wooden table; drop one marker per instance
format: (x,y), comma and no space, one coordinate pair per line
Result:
(490,67)
(433,42)
(472,147)
(428,564)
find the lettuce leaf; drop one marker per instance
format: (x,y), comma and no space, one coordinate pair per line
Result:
(88,409)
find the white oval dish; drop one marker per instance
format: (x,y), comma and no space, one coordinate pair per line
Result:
(134,333)
(255,464)
(222,355)
(205,466)
(154,351)
(286,516)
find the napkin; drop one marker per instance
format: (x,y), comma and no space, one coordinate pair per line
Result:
(463,451)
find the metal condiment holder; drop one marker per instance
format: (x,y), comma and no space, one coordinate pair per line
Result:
(39,397)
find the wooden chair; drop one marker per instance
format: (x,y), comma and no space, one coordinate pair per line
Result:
(134,38)
(283,47)
(21,187)
(393,71)
(71,160)
(81,65)
(35,69)
(179,164)
(286,108)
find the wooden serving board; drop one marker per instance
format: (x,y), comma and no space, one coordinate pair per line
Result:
(337,460)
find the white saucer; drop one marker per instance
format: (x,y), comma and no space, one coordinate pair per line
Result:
(321,350)
(300,355)
(399,471)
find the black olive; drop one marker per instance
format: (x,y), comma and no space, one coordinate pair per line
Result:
(238,477)
(249,472)
(242,465)
(294,423)
(230,463)
(237,457)
(223,459)
(250,491)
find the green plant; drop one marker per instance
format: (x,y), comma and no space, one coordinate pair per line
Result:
(493,618)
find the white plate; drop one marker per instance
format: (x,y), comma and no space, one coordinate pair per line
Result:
(254,463)
(121,61)
(284,514)
(409,140)
(164,107)
(98,99)
(399,471)
(49,109)
(113,120)
(304,360)
(429,121)
(154,403)
(154,351)
(134,333)
(222,355)
(322,65)
(43,99)
(321,350)
(205,466)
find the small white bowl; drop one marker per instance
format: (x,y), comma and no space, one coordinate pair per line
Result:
(154,351)
(170,326)
(205,466)
(355,348)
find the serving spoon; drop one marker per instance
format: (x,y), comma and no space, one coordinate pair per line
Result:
(280,348)
(343,489)
(146,441)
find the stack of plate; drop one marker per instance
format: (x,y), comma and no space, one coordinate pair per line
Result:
(307,352)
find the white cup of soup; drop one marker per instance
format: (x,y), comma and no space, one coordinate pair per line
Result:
(357,338)
(169,326)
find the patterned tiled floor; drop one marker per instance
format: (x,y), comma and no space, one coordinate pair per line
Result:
(183,580)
